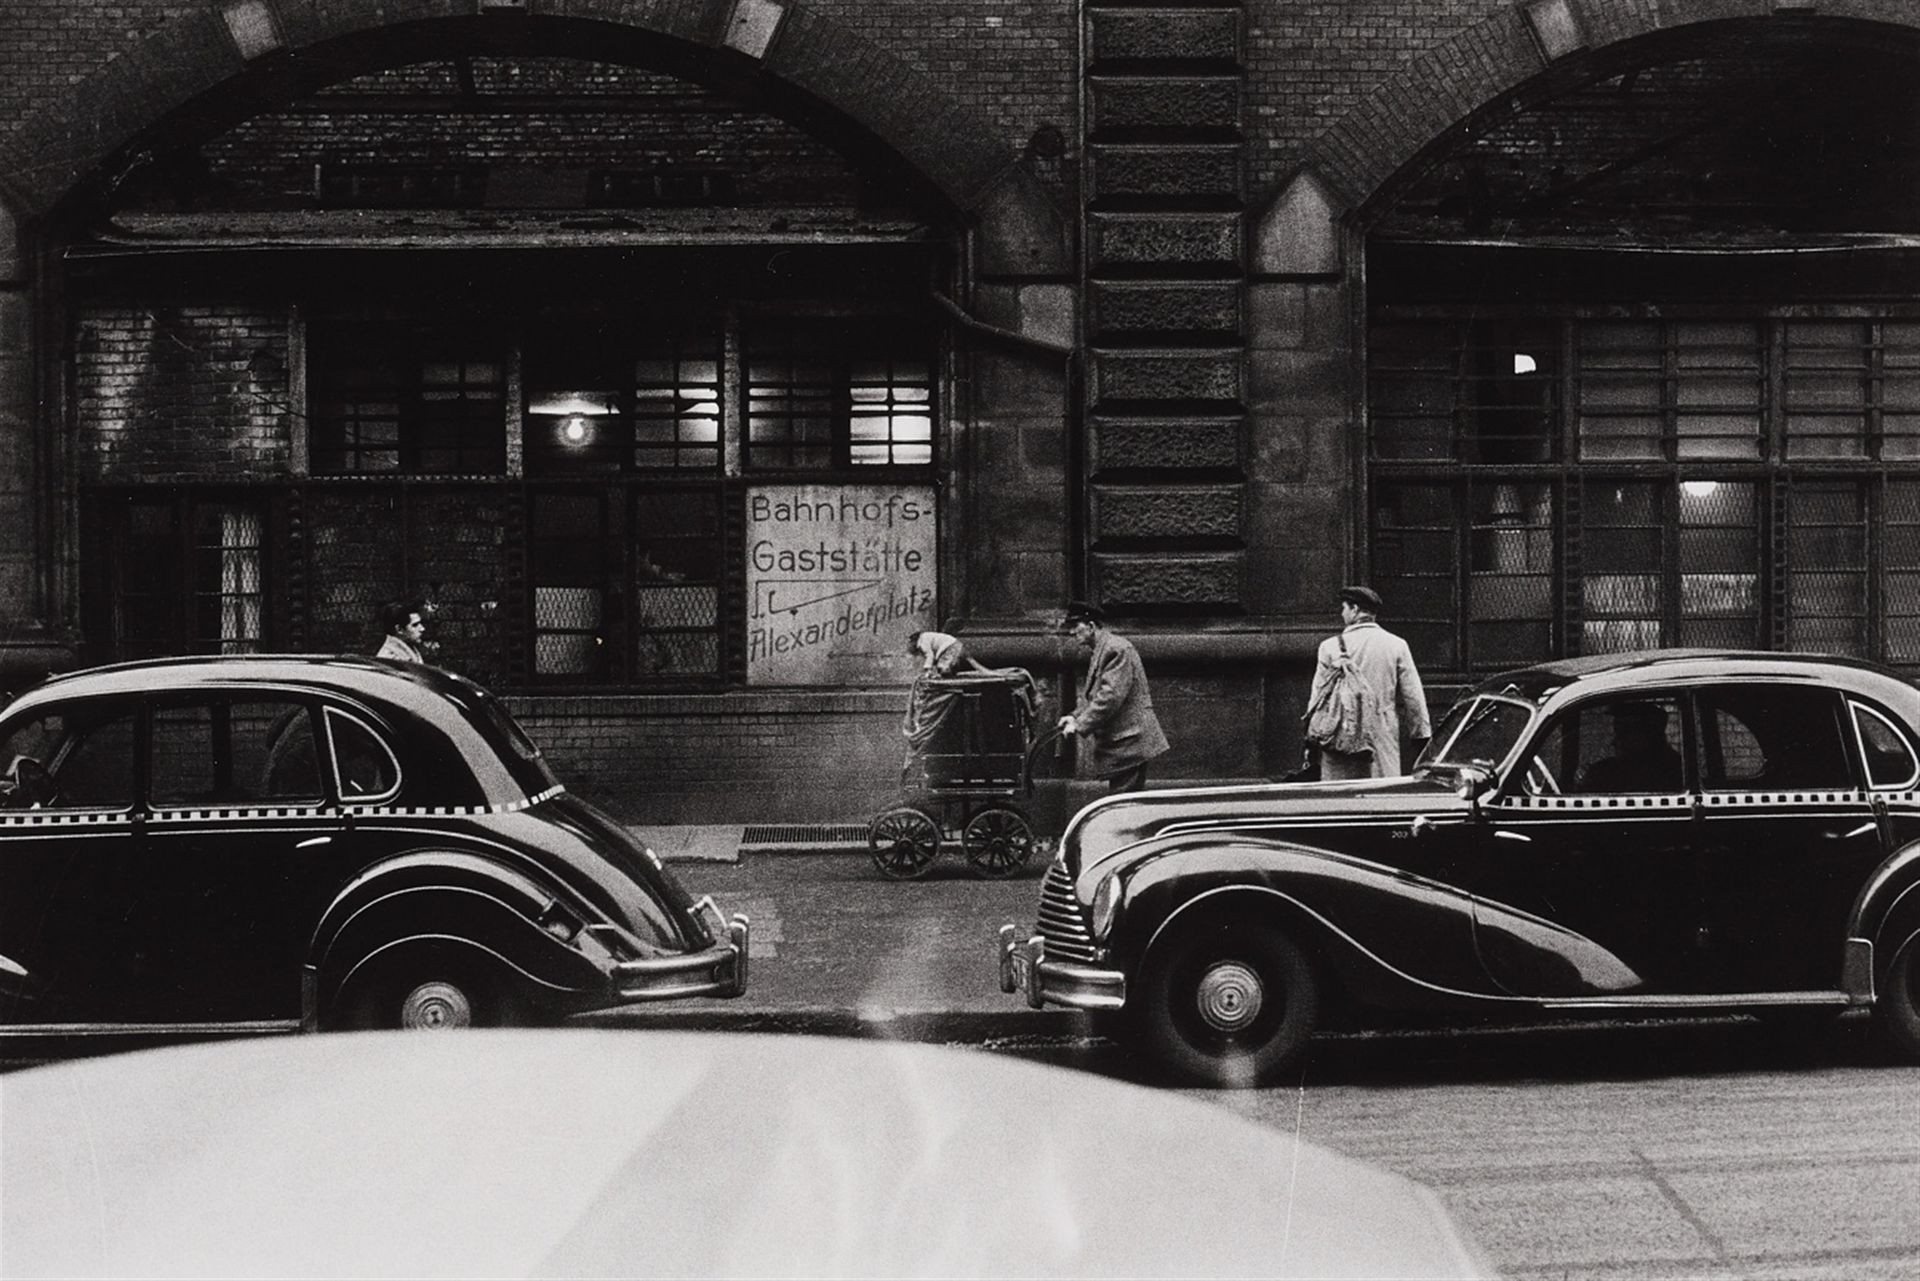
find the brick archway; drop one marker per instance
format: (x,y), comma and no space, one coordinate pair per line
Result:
(249,47)
(1542,42)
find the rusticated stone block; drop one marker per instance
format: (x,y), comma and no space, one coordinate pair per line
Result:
(1201,581)
(1166,511)
(1187,102)
(1202,34)
(1182,240)
(1167,375)
(1134,169)
(1165,443)
(1135,307)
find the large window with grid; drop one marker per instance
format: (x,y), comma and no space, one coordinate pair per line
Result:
(638,403)
(1589,483)
(833,395)
(186,574)
(393,401)
(626,584)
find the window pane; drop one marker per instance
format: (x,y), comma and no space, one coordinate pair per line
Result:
(274,753)
(1717,389)
(1901,554)
(89,750)
(1719,552)
(1510,575)
(1623,541)
(569,594)
(1620,380)
(1618,747)
(228,598)
(1414,558)
(1412,376)
(184,757)
(1826,389)
(1827,568)
(1889,757)
(677,557)
(1766,738)
(1510,406)
(363,764)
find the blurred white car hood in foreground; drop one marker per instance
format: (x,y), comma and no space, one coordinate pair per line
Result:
(584,1153)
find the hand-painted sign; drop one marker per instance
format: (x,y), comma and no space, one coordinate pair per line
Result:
(838,576)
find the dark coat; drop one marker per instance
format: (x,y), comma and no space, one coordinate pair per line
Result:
(1115,713)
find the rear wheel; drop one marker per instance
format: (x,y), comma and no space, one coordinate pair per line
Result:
(998,841)
(433,994)
(1898,1005)
(1226,1002)
(903,842)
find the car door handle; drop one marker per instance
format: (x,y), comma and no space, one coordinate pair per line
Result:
(1861,830)
(314,840)
(1522,837)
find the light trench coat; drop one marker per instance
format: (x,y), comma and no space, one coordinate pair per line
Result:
(1396,705)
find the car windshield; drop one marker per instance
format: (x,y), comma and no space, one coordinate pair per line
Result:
(1478,731)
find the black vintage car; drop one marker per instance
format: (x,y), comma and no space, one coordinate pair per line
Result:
(1649,833)
(224,845)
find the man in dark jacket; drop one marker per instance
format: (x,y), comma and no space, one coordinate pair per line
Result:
(1114,716)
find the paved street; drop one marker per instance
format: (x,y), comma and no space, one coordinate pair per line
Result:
(1722,1149)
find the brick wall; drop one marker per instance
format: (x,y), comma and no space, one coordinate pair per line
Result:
(268,161)
(798,758)
(171,392)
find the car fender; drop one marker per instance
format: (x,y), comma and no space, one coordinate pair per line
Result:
(1391,937)
(1886,912)
(458,900)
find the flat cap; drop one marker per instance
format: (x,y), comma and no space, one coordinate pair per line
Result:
(1365,597)
(1080,611)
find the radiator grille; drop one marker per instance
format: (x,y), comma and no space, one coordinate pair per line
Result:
(1061,924)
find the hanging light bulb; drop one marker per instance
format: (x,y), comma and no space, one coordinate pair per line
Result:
(574,430)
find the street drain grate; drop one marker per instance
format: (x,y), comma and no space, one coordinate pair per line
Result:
(803,836)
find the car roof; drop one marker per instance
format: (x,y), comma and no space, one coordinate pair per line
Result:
(382,679)
(1597,672)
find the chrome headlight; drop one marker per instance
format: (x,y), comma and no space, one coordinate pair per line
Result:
(1106,907)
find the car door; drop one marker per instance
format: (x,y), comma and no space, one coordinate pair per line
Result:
(1787,834)
(241,840)
(1592,833)
(67,841)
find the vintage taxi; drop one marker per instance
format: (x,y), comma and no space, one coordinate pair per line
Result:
(1653,833)
(225,845)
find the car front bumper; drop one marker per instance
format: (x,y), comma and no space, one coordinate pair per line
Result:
(1025,967)
(718,970)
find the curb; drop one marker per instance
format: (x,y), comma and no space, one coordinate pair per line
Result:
(882,1025)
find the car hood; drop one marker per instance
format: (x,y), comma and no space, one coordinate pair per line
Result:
(1110,825)
(527,1154)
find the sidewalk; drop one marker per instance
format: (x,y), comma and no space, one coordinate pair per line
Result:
(837,948)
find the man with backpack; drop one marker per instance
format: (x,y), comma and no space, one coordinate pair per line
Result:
(1366,694)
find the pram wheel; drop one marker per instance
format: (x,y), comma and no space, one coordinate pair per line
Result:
(903,842)
(998,841)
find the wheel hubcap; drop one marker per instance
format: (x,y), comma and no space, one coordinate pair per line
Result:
(1230,996)
(436,1005)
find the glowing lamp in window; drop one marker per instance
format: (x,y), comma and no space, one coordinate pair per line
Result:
(1699,488)
(1523,363)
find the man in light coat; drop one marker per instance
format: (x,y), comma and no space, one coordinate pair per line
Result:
(1395,705)
(1114,716)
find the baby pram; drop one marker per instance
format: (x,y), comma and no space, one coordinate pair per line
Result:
(972,744)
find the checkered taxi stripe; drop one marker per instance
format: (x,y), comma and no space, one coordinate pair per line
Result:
(1708,800)
(159,818)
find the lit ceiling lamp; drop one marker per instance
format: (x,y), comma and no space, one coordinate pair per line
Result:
(1699,488)
(1523,363)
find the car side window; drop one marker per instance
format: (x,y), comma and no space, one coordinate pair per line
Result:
(1772,738)
(234,752)
(76,757)
(1888,756)
(362,761)
(1612,746)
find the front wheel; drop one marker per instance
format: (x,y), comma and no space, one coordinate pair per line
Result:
(1228,1003)
(1899,1000)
